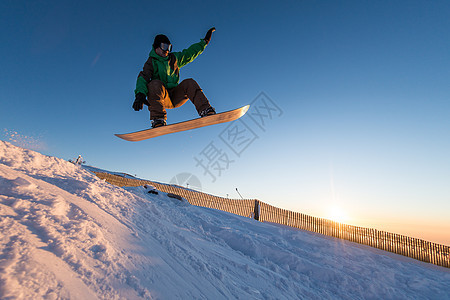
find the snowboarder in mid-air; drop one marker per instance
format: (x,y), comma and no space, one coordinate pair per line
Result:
(158,83)
(158,87)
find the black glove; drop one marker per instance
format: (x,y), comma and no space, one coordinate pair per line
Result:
(208,35)
(139,101)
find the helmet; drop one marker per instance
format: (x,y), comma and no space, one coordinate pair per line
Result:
(161,39)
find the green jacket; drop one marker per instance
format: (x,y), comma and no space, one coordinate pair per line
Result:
(167,69)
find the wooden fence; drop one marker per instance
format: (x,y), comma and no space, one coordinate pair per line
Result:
(411,247)
(243,208)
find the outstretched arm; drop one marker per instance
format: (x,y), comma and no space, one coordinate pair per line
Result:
(188,55)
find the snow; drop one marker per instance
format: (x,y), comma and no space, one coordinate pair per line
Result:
(64,233)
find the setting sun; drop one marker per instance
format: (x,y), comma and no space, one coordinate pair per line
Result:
(336,214)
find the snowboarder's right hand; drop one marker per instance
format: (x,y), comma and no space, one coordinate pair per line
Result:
(139,102)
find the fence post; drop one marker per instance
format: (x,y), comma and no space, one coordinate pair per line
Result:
(256,210)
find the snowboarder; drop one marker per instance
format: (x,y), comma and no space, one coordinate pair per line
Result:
(158,83)
(79,160)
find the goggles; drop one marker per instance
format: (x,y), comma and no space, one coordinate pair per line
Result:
(166,47)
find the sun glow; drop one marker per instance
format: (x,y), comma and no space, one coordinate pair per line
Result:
(335,213)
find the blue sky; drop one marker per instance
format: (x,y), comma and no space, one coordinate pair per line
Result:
(362,91)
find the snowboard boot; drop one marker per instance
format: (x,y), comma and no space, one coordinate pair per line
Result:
(208,112)
(158,123)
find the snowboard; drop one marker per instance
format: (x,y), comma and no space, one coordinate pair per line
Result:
(218,118)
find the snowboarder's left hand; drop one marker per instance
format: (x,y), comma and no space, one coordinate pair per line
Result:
(208,35)
(139,102)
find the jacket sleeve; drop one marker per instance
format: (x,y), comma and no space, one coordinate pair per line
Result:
(144,77)
(188,55)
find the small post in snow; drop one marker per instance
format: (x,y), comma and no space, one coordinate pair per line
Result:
(239,193)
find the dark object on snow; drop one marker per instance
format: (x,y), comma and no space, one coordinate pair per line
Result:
(175,196)
(151,189)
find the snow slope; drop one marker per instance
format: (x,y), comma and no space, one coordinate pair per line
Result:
(66,234)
